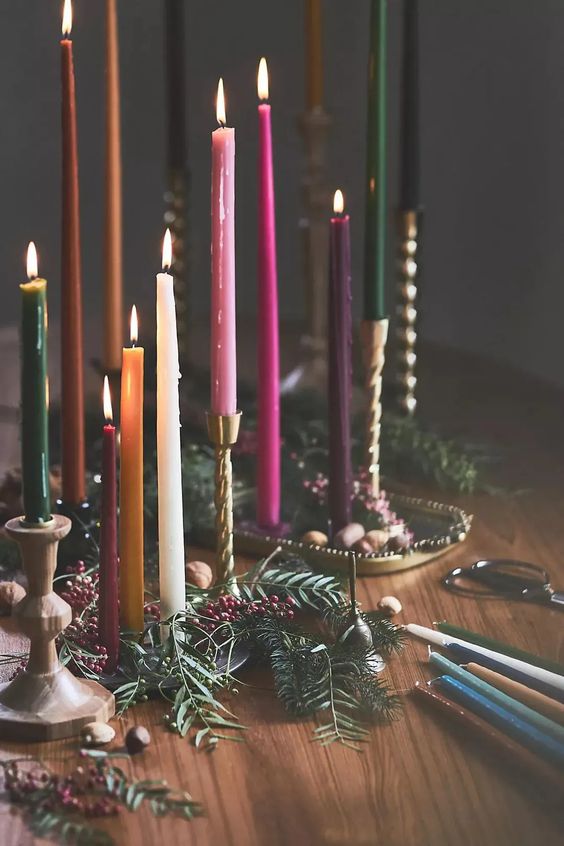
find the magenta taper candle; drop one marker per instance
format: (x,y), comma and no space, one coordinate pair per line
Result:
(340,367)
(108,611)
(223,340)
(268,475)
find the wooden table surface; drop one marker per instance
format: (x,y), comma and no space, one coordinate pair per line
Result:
(419,781)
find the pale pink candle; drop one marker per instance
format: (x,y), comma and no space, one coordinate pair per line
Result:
(268,477)
(223,342)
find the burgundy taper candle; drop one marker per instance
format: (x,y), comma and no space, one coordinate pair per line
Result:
(108,608)
(340,367)
(72,396)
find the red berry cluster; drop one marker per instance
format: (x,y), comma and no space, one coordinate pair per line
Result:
(82,594)
(229,609)
(80,591)
(84,791)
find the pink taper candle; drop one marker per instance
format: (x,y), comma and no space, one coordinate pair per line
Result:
(268,480)
(223,346)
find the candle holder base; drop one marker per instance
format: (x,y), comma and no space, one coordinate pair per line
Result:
(223,431)
(45,701)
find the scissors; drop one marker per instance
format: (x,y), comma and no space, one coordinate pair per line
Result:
(506,578)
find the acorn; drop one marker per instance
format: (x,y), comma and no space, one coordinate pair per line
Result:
(137,739)
(389,605)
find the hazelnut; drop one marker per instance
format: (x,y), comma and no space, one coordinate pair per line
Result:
(315,538)
(377,538)
(199,574)
(389,605)
(363,546)
(96,734)
(348,536)
(137,739)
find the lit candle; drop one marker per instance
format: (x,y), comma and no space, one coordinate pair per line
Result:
(169,459)
(268,481)
(108,610)
(34,396)
(72,401)
(376,206)
(223,340)
(113,307)
(131,484)
(314,54)
(340,367)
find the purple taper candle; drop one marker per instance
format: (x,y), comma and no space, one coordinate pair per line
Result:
(340,367)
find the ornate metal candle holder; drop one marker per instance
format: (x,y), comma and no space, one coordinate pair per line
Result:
(374,335)
(223,430)
(407,309)
(45,701)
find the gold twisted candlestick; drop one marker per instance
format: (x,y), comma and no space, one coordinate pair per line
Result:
(223,430)
(374,336)
(407,310)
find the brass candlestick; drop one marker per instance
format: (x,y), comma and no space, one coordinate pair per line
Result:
(45,701)
(407,309)
(223,430)
(356,632)
(374,335)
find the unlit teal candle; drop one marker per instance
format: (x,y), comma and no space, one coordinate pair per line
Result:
(541,722)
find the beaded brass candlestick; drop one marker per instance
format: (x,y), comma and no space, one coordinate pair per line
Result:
(374,335)
(223,430)
(407,309)
(45,701)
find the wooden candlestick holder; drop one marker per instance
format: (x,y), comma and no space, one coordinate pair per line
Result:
(45,701)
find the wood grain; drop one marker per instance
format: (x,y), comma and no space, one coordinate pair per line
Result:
(420,781)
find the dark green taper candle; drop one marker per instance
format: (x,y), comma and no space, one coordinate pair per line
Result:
(376,206)
(34,396)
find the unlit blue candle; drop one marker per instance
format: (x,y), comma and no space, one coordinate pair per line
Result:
(541,722)
(514,726)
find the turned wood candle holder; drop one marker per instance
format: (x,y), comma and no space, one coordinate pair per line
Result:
(45,701)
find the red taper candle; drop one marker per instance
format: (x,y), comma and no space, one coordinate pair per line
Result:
(108,608)
(72,402)
(340,368)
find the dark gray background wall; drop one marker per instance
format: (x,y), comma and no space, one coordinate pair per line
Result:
(492,89)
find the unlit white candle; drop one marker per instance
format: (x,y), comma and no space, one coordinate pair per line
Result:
(442,639)
(169,463)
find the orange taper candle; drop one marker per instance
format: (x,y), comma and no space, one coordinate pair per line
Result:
(72,401)
(131,583)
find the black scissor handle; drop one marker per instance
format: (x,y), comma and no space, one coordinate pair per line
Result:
(506,577)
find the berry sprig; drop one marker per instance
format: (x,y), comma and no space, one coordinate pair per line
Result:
(230,609)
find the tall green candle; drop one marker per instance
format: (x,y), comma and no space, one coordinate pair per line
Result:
(34,396)
(376,206)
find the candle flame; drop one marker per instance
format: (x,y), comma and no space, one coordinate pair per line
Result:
(31,261)
(134,326)
(262,80)
(220,104)
(338,202)
(167,250)
(67,17)
(108,413)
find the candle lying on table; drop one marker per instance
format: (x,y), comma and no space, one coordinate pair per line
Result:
(499,646)
(172,562)
(340,367)
(439,639)
(543,704)
(34,396)
(72,391)
(268,425)
(549,727)
(131,582)
(223,338)
(512,725)
(108,610)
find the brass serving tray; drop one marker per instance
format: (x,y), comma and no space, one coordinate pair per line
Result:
(437,528)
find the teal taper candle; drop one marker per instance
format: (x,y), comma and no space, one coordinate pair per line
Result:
(376,206)
(34,396)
